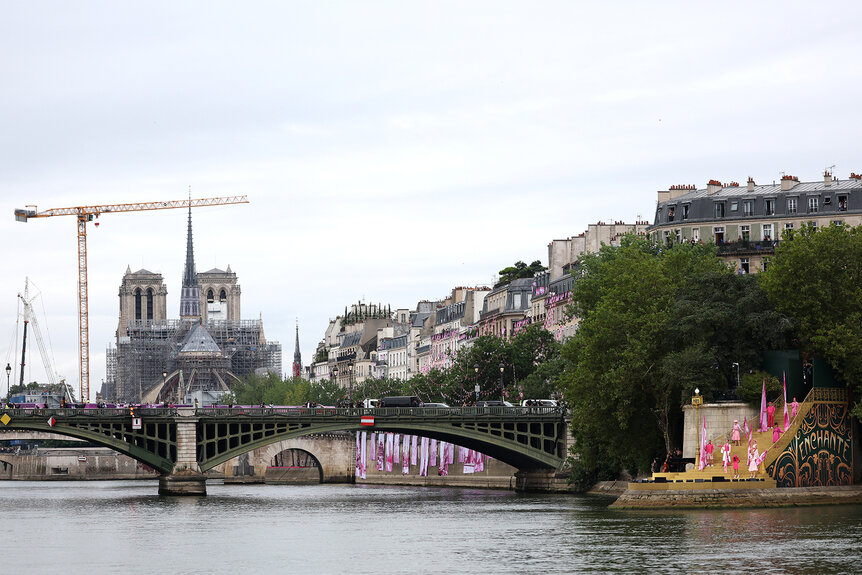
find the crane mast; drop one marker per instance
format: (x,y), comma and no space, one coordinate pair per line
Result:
(84,214)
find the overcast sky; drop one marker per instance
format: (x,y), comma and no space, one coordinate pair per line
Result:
(389,150)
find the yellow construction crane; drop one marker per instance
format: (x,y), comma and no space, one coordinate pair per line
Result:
(86,214)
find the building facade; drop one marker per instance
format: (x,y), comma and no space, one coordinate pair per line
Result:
(746,222)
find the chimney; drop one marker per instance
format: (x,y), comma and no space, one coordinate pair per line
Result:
(827,178)
(712,187)
(751,184)
(787,182)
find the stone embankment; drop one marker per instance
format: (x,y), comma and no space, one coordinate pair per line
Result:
(738,498)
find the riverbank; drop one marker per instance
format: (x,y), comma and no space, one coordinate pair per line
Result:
(738,498)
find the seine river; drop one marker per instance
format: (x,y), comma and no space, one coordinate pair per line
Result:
(124,527)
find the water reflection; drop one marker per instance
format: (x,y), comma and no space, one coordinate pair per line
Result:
(123,526)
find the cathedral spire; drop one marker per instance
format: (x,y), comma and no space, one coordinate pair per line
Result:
(297,357)
(190,299)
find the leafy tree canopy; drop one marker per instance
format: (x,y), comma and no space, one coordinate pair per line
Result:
(520,270)
(816,278)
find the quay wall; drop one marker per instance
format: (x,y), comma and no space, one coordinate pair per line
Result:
(65,464)
(733,498)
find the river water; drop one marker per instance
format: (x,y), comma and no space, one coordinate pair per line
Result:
(124,527)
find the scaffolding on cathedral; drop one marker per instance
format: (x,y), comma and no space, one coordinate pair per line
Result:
(153,362)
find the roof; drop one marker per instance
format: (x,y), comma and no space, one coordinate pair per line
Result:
(199,340)
(214,271)
(767,190)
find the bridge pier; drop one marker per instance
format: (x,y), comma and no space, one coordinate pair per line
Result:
(186,478)
(541,480)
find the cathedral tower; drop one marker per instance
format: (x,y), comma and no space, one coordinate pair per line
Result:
(297,357)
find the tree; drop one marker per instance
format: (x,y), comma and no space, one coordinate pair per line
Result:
(621,378)
(520,270)
(816,278)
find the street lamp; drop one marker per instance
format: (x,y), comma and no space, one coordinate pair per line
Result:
(8,373)
(476,370)
(164,383)
(335,374)
(736,365)
(697,401)
(350,381)
(502,367)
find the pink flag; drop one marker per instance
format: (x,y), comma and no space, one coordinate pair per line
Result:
(372,453)
(702,463)
(413,449)
(786,415)
(763,407)
(423,458)
(390,439)
(396,449)
(433,454)
(405,455)
(362,455)
(748,457)
(381,451)
(358,455)
(745,426)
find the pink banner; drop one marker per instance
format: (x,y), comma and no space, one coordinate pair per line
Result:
(433,453)
(413,450)
(396,448)
(423,458)
(405,455)
(389,441)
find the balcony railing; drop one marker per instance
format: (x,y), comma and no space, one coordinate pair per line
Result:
(747,246)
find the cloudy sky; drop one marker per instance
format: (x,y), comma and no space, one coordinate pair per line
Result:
(389,150)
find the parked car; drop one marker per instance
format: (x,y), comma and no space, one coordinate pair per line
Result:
(539,403)
(438,405)
(493,403)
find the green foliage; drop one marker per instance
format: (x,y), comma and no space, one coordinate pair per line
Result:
(816,278)
(655,324)
(751,388)
(520,270)
(256,389)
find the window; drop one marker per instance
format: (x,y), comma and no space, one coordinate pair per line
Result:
(733,206)
(744,266)
(766,262)
(685,211)
(813,225)
(150,304)
(719,209)
(678,235)
(222,296)
(788,226)
(210,296)
(842,203)
(838,223)
(719,234)
(138,303)
(670,213)
(745,233)
(767,232)
(695,234)
(791,205)
(748,208)
(769,206)
(813,204)
(827,201)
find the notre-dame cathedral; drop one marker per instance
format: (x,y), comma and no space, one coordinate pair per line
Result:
(196,357)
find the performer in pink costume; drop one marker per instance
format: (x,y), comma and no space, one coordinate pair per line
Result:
(709,449)
(725,455)
(770,415)
(735,436)
(753,461)
(794,407)
(776,434)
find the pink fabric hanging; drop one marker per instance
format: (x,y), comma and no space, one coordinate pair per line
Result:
(372,452)
(786,415)
(413,450)
(443,467)
(450,453)
(358,454)
(469,462)
(763,407)
(389,441)
(480,462)
(363,442)
(423,458)
(381,452)
(396,448)
(405,456)
(702,463)
(462,454)
(432,460)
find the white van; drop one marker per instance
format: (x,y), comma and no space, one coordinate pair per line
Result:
(369,403)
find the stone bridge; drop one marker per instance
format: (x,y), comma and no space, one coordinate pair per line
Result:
(183,442)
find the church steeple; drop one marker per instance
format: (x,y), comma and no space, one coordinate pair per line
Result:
(190,299)
(297,357)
